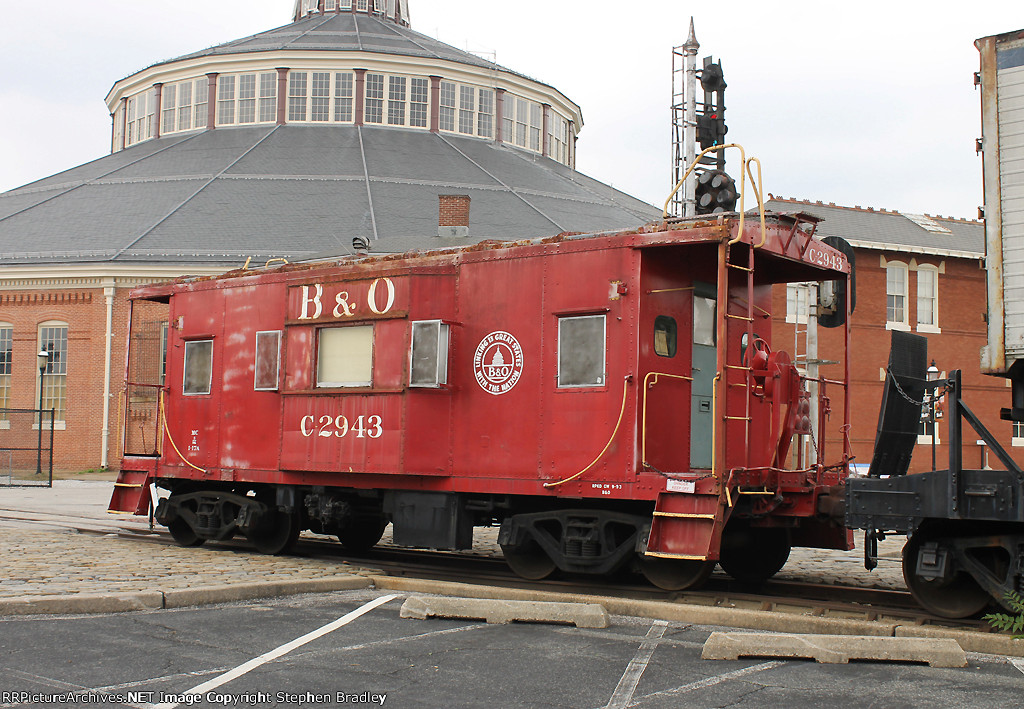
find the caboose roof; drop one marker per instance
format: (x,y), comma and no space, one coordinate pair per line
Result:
(787,266)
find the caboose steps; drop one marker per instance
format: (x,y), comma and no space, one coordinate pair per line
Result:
(131,491)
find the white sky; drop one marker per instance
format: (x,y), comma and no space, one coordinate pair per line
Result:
(867,103)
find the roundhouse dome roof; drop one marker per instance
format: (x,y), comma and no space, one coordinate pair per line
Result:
(347,32)
(293,142)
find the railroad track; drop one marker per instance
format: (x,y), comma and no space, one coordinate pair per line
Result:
(802,598)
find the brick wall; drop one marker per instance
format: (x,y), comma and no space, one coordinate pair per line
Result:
(78,443)
(961,310)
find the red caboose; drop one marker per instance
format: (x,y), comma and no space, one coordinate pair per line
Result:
(609,400)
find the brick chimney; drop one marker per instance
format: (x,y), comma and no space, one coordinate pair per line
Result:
(453,215)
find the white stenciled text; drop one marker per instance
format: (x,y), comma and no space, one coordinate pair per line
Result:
(327,426)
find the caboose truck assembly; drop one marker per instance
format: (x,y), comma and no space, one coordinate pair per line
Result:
(966,527)
(609,400)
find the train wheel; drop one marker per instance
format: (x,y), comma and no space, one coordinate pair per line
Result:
(958,596)
(363,534)
(753,555)
(674,574)
(182,532)
(276,534)
(529,561)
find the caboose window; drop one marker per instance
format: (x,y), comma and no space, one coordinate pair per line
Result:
(428,365)
(665,336)
(581,351)
(198,367)
(704,321)
(345,357)
(268,360)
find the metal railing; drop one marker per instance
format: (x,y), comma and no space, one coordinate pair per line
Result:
(26,447)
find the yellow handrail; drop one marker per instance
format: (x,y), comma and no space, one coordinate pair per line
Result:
(163,420)
(622,411)
(643,426)
(744,171)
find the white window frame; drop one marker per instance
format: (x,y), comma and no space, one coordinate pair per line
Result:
(6,370)
(442,334)
(183,106)
(603,378)
(333,91)
(227,99)
(798,297)
(190,346)
(250,93)
(932,327)
(1017,434)
(322,383)
(141,116)
(890,323)
(558,138)
(924,438)
(467,109)
(61,407)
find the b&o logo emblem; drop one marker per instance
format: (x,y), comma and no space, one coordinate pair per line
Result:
(498,362)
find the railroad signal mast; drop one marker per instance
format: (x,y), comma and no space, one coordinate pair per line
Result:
(708,189)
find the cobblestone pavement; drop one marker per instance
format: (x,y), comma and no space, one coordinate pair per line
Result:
(51,560)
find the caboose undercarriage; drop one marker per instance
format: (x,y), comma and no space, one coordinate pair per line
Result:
(537,537)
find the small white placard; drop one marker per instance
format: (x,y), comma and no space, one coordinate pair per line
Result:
(681,486)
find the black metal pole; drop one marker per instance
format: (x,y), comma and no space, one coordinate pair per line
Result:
(39,449)
(935,428)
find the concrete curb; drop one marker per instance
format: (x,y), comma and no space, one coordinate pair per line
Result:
(75,603)
(988,643)
(834,649)
(227,593)
(582,615)
(85,603)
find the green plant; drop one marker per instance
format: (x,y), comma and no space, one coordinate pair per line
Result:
(1006,622)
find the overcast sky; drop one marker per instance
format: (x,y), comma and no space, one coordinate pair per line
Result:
(867,103)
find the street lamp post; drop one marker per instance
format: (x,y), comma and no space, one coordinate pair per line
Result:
(42,359)
(933,374)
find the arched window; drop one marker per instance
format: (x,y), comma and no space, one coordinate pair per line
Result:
(896,316)
(52,383)
(6,347)
(928,298)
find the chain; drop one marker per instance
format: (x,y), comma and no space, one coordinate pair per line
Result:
(938,393)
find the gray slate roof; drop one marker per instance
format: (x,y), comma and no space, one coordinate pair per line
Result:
(346,32)
(890,231)
(219,196)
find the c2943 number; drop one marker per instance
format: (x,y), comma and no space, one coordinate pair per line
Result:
(328,426)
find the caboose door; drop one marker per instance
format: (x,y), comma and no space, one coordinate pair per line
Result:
(704,362)
(665,352)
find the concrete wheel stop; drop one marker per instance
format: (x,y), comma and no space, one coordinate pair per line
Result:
(936,652)
(582,615)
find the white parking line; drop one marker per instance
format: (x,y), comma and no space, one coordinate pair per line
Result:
(623,693)
(1016,662)
(282,650)
(712,681)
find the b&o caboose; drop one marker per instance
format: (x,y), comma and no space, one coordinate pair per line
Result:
(609,400)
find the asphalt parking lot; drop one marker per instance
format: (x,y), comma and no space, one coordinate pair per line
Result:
(254,654)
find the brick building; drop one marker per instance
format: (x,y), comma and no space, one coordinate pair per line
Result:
(915,273)
(342,130)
